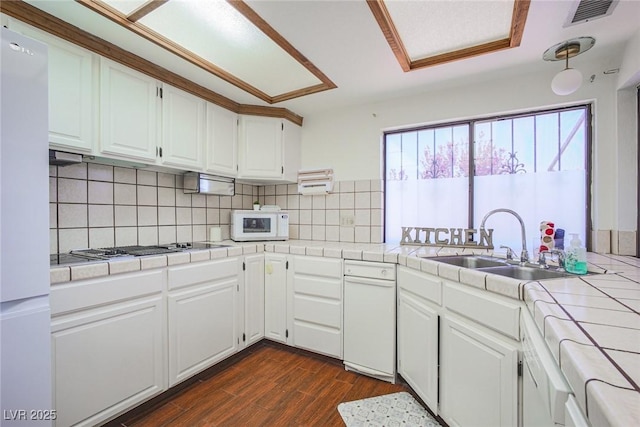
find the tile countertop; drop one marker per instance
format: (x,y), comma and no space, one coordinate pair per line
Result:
(591,323)
(592,326)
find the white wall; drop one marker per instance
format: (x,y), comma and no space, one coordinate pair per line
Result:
(627,165)
(349,139)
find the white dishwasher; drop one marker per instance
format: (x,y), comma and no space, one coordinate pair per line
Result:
(544,388)
(370,319)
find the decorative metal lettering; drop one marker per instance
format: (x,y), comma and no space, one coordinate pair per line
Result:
(453,237)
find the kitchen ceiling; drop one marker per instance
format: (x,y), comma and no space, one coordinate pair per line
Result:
(322,54)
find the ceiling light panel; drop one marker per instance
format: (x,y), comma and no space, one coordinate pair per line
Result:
(219,34)
(433,27)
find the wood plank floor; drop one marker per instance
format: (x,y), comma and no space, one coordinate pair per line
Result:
(271,385)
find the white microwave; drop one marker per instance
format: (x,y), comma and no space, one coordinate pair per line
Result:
(257,225)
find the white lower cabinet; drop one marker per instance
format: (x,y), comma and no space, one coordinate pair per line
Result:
(202,314)
(317,304)
(253,299)
(108,346)
(277,297)
(418,346)
(479,381)
(458,348)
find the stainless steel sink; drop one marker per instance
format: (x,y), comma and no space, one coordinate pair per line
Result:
(470,261)
(526,273)
(502,267)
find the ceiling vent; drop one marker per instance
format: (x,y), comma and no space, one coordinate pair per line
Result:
(588,10)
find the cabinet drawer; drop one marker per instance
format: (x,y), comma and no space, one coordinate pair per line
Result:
(191,274)
(424,285)
(317,338)
(317,266)
(322,312)
(489,310)
(318,286)
(85,294)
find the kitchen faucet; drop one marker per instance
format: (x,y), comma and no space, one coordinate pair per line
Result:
(542,262)
(524,255)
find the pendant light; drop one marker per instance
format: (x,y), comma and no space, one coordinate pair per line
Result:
(568,80)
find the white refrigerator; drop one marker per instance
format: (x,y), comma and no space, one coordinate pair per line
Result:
(25,319)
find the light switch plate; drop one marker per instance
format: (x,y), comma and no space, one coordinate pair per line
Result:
(347,220)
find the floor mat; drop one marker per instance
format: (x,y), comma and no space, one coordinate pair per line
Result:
(397,409)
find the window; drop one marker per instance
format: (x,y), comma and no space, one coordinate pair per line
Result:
(535,164)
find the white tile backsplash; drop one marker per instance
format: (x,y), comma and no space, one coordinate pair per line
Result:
(183,216)
(166,180)
(147,215)
(72,190)
(125,216)
(98,172)
(166,196)
(101,237)
(53,189)
(101,216)
(73,238)
(167,234)
(147,195)
(363,201)
(72,215)
(106,205)
(126,236)
(147,178)
(124,175)
(124,194)
(363,185)
(100,192)
(78,171)
(166,215)
(147,235)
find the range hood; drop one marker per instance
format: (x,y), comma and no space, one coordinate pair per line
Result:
(60,158)
(195,182)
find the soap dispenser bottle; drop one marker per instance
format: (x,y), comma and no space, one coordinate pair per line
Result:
(576,257)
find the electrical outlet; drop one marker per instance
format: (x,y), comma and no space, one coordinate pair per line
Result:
(347,220)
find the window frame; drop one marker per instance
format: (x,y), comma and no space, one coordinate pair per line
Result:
(471,123)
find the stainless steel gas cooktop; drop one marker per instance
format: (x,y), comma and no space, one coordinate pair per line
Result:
(87,255)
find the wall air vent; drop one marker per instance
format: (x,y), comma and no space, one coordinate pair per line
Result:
(588,10)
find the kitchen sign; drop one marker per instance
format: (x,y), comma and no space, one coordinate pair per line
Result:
(452,237)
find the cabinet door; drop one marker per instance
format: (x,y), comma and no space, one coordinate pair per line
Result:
(292,139)
(71,100)
(221,141)
(418,347)
(260,153)
(275,295)
(479,382)
(202,327)
(183,129)
(128,112)
(108,359)
(253,299)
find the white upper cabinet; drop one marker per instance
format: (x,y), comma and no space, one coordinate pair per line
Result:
(221,141)
(128,112)
(183,129)
(268,149)
(260,149)
(71,91)
(292,136)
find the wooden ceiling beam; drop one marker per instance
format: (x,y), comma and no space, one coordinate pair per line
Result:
(145,9)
